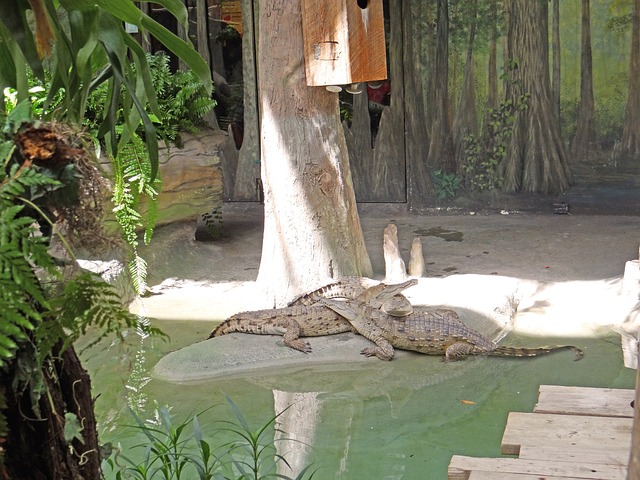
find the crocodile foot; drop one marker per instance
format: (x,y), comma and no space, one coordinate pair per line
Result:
(298,344)
(376,352)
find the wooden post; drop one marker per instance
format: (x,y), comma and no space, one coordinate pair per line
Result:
(634,458)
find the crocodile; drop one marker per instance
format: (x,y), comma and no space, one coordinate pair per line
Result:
(305,319)
(351,287)
(432,332)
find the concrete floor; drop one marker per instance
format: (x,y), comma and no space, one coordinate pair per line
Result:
(532,272)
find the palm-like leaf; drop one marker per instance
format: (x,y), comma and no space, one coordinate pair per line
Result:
(90,47)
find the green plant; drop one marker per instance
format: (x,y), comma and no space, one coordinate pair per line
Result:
(446,184)
(183,102)
(484,154)
(91,49)
(132,182)
(170,453)
(38,326)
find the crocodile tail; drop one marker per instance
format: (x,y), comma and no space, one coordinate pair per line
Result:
(228,326)
(502,351)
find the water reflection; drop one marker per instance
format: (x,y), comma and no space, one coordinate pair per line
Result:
(383,420)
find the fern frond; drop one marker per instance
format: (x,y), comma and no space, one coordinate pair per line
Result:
(138,272)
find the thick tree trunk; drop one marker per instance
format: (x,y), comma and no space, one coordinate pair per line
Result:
(629,146)
(585,145)
(465,122)
(536,161)
(555,49)
(420,187)
(312,230)
(441,143)
(36,448)
(248,168)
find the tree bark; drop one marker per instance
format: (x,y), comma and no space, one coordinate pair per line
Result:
(248,167)
(465,122)
(536,161)
(312,230)
(555,48)
(629,146)
(35,447)
(585,145)
(441,152)
(492,74)
(420,187)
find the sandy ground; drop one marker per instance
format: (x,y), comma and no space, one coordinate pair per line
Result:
(537,274)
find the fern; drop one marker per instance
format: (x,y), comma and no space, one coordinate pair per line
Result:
(21,295)
(132,173)
(86,302)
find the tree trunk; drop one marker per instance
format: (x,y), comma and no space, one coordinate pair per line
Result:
(36,448)
(492,74)
(312,230)
(555,48)
(465,122)
(420,186)
(585,145)
(441,146)
(248,168)
(629,146)
(536,161)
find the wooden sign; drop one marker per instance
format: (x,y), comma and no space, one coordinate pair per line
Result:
(344,41)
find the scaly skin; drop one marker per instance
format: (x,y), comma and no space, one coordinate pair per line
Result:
(304,321)
(438,332)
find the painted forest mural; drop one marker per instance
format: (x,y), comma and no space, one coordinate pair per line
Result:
(503,95)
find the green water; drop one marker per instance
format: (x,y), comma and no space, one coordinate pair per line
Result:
(378,420)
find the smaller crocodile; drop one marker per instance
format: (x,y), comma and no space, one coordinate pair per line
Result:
(309,320)
(438,332)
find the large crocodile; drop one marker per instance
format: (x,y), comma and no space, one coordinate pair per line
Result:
(305,318)
(437,332)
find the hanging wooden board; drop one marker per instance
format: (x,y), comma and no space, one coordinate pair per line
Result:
(344,41)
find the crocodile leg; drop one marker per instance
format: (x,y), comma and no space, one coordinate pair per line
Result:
(292,338)
(383,349)
(458,351)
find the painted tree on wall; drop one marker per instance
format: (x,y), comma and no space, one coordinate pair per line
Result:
(537,160)
(441,152)
(585,145)
(312,231)
(629,146)
(556,56)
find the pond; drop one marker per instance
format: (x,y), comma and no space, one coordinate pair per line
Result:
(376,420)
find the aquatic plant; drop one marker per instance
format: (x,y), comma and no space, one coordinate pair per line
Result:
(169,452)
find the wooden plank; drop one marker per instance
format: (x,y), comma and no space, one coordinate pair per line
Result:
(605,402)
(482,475)
(460,468)
(575,454)
(594,433)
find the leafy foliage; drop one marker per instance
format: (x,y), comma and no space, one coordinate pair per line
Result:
(92,48)
(446,184)
(183,102)
(484,155)
(33,325)
(132,182)
(170,453)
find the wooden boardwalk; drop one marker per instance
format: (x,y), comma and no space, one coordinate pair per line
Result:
(574,433)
